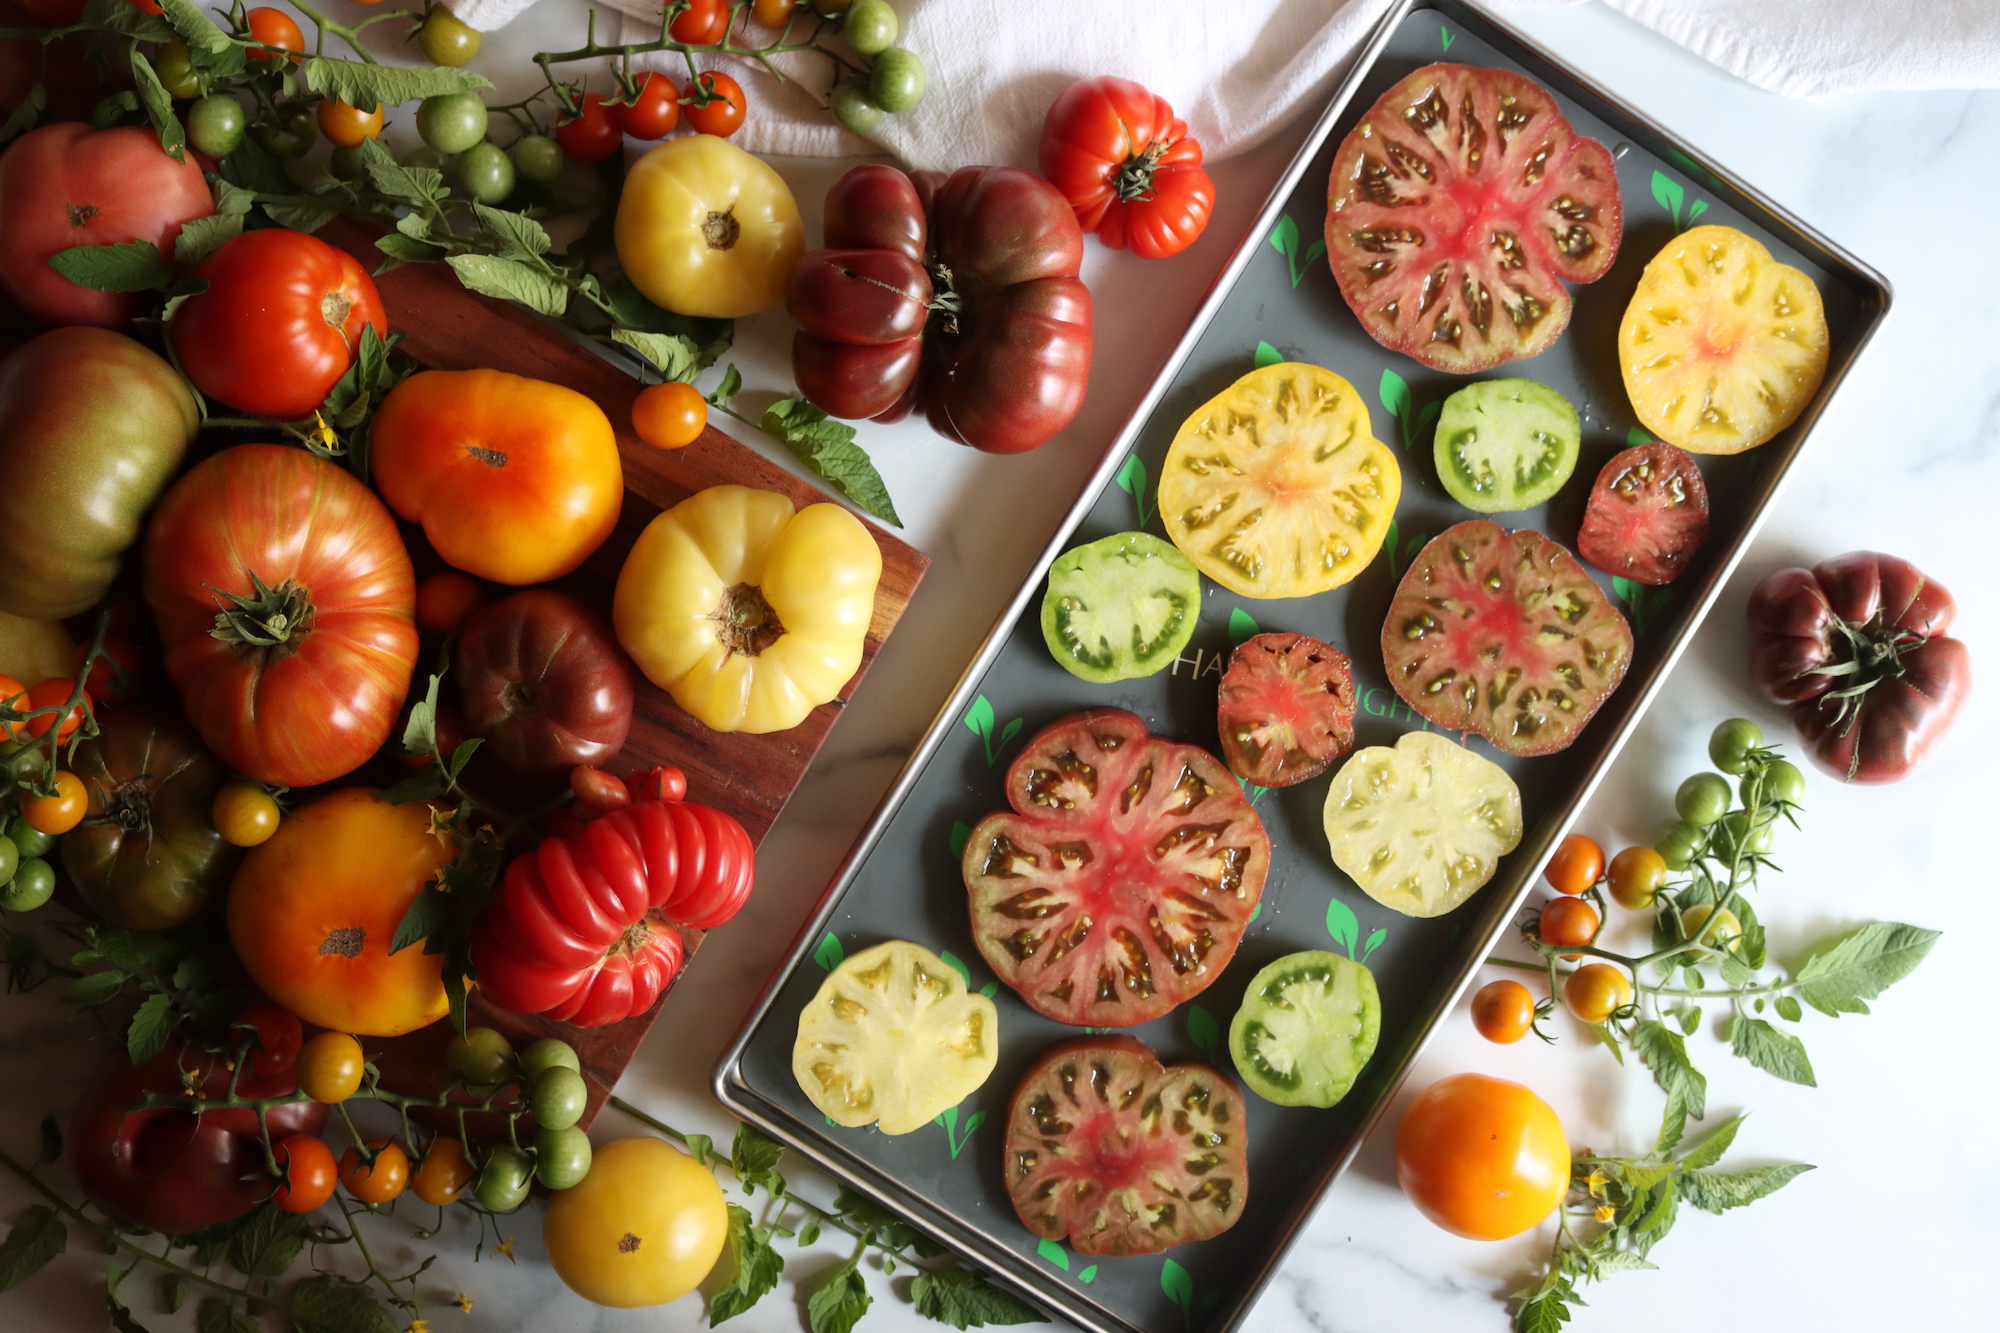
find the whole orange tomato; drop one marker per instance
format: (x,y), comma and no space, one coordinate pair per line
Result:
(1482,1157)
(312,913)
(284,600)
(513,479)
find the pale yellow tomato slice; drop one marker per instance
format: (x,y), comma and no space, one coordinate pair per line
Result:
(894,1039)
(1276,487)
(1722,346)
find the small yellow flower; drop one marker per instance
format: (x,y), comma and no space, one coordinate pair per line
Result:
(464,1302)
(331,443)
(506,1247)
(418,1326)
(1596,1182)
(1605,1212)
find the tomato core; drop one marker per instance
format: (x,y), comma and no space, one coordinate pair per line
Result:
(722,230)
(81,213)
(334,308)
(347,941)
(745,621)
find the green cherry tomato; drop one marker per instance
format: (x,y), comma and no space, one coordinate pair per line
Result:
(347,164)
(1730,744)
(448,39)
(1781,781)
(481,1057)
(215,124)
(537,157)
(27,840)
(562,1157)
(424,158)
(10,857)
(548,1053)
(558,1099)
(897,80)
(854,107)
(871,26)
(1735,832)
(175,66)
(1702,799)
(33,884)
(483,172)
(1677,844)
(504,1180)
(293,136)
(451,122)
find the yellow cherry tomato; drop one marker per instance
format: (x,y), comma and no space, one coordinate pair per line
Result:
(444,1173)
(749,614)
(244,814)
(346,126)
(670,415)
(643,1228)
(1597,991)
(706,229)
(58,814)
(378,1181)
(330,1067)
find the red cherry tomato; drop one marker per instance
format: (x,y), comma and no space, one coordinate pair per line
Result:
(14,695)
(445,600)
(52,693)
(597,792)
(702,23)
(591,135)
(274,27)
(723,115)
(657,784)
(309,1173)
(279,1036)
(654,110)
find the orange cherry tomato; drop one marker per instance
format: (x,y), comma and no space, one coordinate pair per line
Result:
(331,1067)
(14,695)
(670,415)
(1503,1011)
(346,126)
(273,27)
(244,813)
(723,115)
(1482,1157)
(445,600)
(1596,992)
(444,1173)
(597,792)
(309,1173)
(1636,877)
(1577,864)
(1568,921)
(58,814)
(53,693)
(772,13)
(380,1180)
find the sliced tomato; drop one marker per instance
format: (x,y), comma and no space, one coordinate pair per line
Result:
(1119,607)
(1121,1155)
(1285,708)
(1505,636)
(1458,206)
(1647,516)
(1123,877)
(1308,1025)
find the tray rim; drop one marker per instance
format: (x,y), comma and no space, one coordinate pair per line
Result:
(728,1083)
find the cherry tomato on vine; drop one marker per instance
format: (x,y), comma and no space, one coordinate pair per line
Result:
(559,1098)
(1503,1011)
(445,600)
(537,157)
(273,27)
(53,693)
(896,81)
(380,1180)
(483,172)
(723,115)
(1577,864)
(853,105)
(278,1034)
(481,1057)
(1778,781)
(772,13)
(174,64)
(346,126)
(1596,992)
(14,695)
(654,109)
(1730,744)
(562,1157)
(504,1180)
(542,1056)
(597,792)
(702,23)
(1637,875)
(33,884)
(331,1067)
(1678,844)
(58,814)
(591,135)
(309,1173)
(244,814)
(1702,799)
(452,122)
(444,1172)
(153,7)
(1568,921)
(871,26)
(1725,932)
(215,124)
(670,415)
(657,784)
(449,40)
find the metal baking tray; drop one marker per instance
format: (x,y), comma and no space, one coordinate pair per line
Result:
(902,881)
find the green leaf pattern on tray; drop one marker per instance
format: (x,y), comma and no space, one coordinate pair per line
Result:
(949,1119)
(980,718)
(1202,1031)
(829,953)
(1053,1251)
(1345,927)
(1402,549)
(1285,240)
(1241,626)
(1132,481)
(1669,194)
(1411,421)
(1267,355)
(1642,601)
(1444,37)
(960,831)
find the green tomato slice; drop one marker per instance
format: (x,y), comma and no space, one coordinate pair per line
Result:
(1120,607)
(1308,1024)
(1506,444)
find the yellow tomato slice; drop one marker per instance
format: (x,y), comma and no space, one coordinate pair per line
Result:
(1722,345)
(894,1039)
(1276,487)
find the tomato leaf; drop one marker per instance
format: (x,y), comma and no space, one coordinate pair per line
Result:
(1713,1144)
(1665,1053)
(732,383)
(1546,1312)
(266,1246)
(300,217)
(121,1314)
(132,21)
(758,1268)
(1841,979)
(1788,1008)
(1690,1019)
(361,85)
(511,281)
(27,112)
(152,1024)
(430,911)
(87,992)
(35,1238)
(420,733)
(838,1303)
(1719,1191)
(202,237)
(1772,1051)
(519,236)
(195,28)
(964,1299)
(325,1303)
(159,106)
(630,309)
(216,1315)
(754,1158)
(402,250)
(133,266)
(673,355)
(827,447)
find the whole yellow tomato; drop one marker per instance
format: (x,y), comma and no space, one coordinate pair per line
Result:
(1482,1157)
(749,614)
(643,1228)
(513,479)
(313,910)
(704,228)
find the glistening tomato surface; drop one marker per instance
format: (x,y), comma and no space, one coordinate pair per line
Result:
(1285,708)
(1127,166)
(1458,207)
(1482,1157)
(1647,515)
(1504,635)
(1120,1155)
(1122,879)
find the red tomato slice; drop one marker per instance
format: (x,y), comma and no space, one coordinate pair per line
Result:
(1647,516)
(1285,708)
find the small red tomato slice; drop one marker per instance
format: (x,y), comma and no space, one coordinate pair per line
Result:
(1285,708)
(1647,515)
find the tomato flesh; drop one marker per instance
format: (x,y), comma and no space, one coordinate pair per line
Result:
(1308,1026)
(1120,607)
(1285,708)
(1647,516)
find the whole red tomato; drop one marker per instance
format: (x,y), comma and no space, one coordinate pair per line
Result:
(544,682)
(960,295)
(1127,166)
(284,600)
(66,185)
(1857,646)
(722,115)
(279,324)
(167,1169)
(592,134)
(654,109)
(702,23)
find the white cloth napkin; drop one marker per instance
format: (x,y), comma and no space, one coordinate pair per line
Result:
(1236,70)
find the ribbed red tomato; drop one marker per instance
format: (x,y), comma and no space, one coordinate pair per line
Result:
(1127,166)
(285,603)
(583,929)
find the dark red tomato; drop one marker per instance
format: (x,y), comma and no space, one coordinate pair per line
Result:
(278,1036)
(54,13)
(1647,515)
(274,27)
(1091,1157)
(1456,210)
(1285,708)
(726,107)
(1123,877)
(66,185)
(279,324)
(1857,646)
(702,23)
(169,1170)
(1127,166)
(657,784)
(592,134)
(542,679)
(1504,634)
(654,110)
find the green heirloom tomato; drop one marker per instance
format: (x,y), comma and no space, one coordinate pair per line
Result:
(504,1180)
(448,39)
(483,172)
(562,1157)
(175,67)
(1308,1025)
(1506,444)
(215,124)
(1702,799)
(871,26)
(537,157)
(451,122)
(854,107)
(559,1098)
(92,427)
(897,79)
(1120,607)
(33,884)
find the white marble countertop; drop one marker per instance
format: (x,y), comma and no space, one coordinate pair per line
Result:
(1894,1228)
